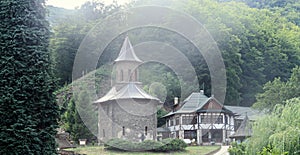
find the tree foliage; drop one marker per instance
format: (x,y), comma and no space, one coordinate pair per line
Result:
(69,33)
(255,49)
(257,45)
(77,111)
(287,8)
(28,109)
(277,92)
(78,114)
(278,131)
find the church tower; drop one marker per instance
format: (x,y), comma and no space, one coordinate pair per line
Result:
(126,65)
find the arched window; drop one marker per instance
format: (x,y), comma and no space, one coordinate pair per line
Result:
(123,131)
(146,130)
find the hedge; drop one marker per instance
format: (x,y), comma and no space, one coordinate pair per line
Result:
(166,145)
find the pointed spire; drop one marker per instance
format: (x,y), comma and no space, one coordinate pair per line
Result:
(127,53)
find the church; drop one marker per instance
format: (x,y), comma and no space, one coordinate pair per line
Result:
(127,111)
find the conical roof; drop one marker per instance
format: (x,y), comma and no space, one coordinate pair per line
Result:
(127,53)
(244,130)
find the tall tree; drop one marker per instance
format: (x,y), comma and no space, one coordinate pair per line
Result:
(277,131)
(69,33)
(28,110)
(277,92)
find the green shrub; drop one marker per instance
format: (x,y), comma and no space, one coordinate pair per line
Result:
(149,145)
(119,145)
(237,149)
(167,145)
(269,150)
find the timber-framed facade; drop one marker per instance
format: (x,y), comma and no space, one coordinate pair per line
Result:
(204,120)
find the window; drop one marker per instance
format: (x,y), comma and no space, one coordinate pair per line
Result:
(188,120)
(220,119)
(177,120)
(171,122)
(205,119)
(146,130)
(103,132)
(190,134)
(123,131)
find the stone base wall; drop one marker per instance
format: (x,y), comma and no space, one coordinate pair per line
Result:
(134,120)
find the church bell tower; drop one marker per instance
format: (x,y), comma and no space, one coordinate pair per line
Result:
(126,65)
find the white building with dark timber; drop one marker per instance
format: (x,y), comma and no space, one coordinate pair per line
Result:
(205,120)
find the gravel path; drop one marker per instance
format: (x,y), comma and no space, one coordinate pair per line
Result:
(223,151)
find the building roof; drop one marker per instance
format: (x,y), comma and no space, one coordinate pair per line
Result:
(241,112)
(245,129)
(191,104)
(195,102)
(127,53)
(128,91)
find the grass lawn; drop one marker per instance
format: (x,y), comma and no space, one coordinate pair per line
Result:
(99,150)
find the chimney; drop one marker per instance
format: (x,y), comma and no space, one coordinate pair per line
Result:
(201,91)
(176,100)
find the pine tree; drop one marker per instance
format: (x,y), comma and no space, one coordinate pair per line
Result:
(28,110)
(78,114)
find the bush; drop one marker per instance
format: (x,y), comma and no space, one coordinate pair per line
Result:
(269,150)
(149,145)
(119,145)
(167,145)
(237,149)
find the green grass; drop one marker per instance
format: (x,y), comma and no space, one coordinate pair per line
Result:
(99,150)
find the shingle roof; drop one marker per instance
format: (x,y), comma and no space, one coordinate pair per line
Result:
(127,53)
(241,112)
(195,102)
(191,104)
(245,129)
(128,91)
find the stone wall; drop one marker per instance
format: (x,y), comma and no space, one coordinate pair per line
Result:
(130,119)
